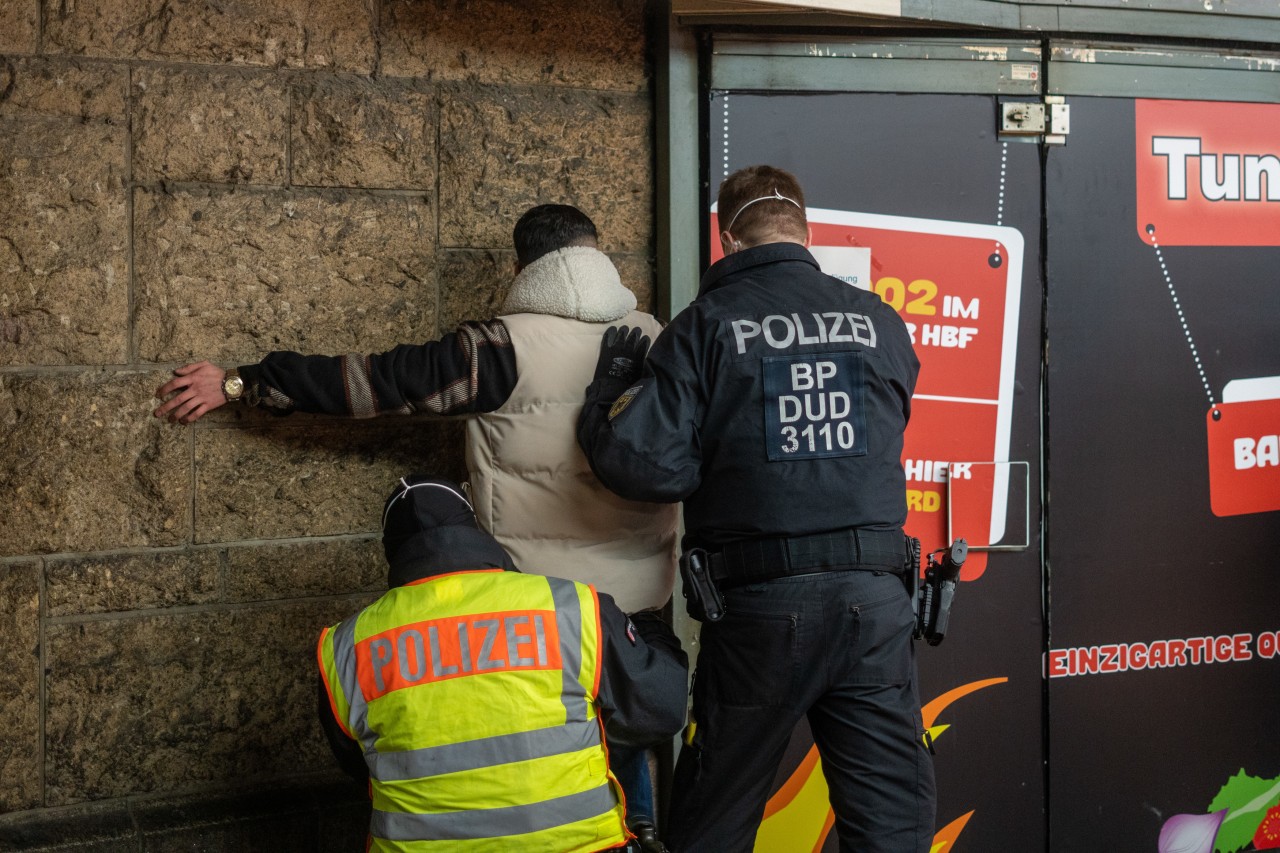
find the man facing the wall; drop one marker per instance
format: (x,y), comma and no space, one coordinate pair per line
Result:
(519,380)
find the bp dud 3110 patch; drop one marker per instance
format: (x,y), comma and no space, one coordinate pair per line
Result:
(813,406)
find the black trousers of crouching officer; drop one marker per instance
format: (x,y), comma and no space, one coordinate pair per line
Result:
(835,647)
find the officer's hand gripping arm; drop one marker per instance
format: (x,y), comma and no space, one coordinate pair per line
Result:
(621,361)
(639,428)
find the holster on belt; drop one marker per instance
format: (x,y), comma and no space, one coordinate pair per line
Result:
(940,579)
(911,578)
(702,598)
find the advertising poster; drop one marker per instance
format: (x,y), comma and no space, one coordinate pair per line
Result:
(1163,379)
(956,266)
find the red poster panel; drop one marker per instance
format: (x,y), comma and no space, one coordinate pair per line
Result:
(957,286)
(1244,448)
(1208,173)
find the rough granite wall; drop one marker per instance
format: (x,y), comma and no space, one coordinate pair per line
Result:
(185,179)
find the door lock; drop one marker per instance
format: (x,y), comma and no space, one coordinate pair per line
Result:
(1021,118)
(1050,120)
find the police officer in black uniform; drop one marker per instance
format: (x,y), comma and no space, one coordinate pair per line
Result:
(774,407)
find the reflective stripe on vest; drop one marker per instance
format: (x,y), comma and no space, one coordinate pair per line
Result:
(415,691)
(344,658)
(485,752)
(569,622)
(491,823)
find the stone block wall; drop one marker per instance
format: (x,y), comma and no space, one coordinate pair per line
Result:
(184,180)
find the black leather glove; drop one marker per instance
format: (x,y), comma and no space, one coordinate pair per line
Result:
(622,353)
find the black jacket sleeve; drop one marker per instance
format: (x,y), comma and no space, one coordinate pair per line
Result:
(645,446)
(348,753)
(467,371)
(644,683)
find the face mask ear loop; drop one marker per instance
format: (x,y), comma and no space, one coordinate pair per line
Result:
(386,512)
(776,196)
(408,488)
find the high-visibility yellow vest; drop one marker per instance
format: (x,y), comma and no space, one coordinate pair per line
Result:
(473,697)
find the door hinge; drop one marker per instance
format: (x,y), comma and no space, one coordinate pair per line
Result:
(1051,120)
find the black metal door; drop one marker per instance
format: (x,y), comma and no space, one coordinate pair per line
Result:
(1163,322)
(911,194)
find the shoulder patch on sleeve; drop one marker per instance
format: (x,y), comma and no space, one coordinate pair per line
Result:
(624,400)
(631,631)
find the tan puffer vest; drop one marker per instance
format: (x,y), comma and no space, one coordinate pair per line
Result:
(530,482)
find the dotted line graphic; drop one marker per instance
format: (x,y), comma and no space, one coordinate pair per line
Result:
(724,136)
(996,258)
(1182,317)
(1004,163)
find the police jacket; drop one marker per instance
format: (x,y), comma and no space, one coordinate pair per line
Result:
(774,405)
(640,671)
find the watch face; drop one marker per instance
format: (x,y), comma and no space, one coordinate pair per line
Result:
(233,386)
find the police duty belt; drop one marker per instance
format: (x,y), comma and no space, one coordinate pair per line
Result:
(758,560)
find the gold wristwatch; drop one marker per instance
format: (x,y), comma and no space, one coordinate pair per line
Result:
(232,385)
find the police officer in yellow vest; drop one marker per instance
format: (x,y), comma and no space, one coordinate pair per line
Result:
(479,700)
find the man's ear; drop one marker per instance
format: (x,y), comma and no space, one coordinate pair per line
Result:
(728,244)
(516,268)
(808,236)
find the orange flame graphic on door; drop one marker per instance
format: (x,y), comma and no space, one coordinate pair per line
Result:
(799,816)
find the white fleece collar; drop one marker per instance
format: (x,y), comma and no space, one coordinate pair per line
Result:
(577,282)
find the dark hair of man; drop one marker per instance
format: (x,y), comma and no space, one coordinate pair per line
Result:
(764,219)
(548,227)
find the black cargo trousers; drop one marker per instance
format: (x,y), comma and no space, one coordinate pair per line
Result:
(835,647)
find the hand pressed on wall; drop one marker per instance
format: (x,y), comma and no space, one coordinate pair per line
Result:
(196,390)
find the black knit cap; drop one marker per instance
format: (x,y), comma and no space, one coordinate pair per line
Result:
(420,503)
